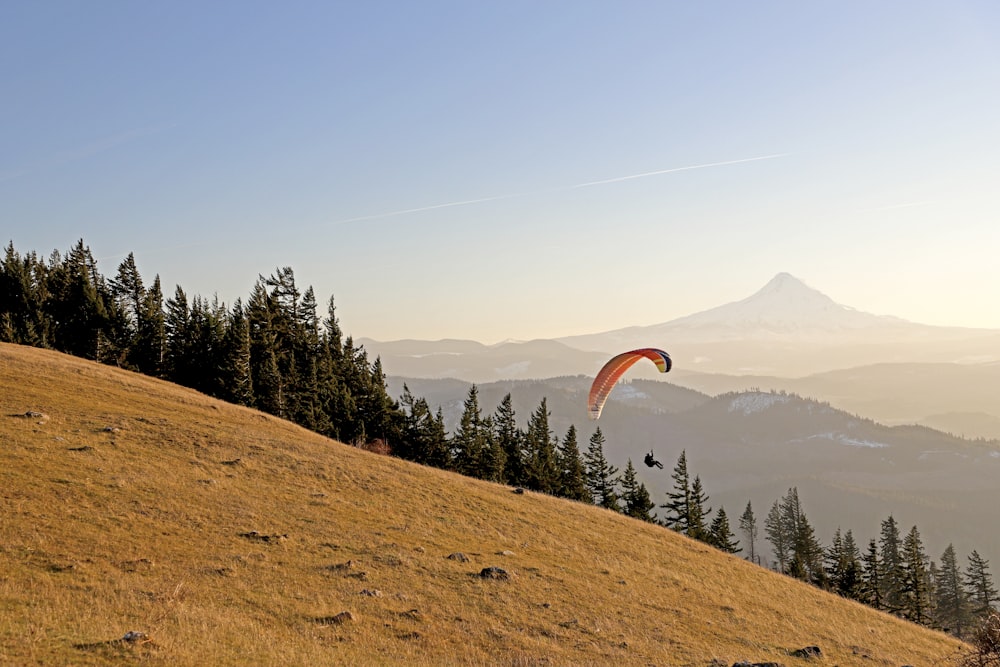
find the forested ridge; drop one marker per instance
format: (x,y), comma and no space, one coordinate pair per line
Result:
(276,353)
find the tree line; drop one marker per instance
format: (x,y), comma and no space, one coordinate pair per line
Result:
(276,353)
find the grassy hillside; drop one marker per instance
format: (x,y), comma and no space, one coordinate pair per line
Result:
(230,537)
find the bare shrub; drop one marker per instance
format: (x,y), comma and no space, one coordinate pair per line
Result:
(985,642)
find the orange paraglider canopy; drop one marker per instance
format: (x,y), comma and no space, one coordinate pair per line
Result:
(615,368)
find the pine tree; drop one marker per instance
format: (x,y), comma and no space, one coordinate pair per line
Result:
(425,440)
(572,476)
(979,584)
(470,439)
(494,458)
(871,577)
(23,295)
(238,385)
(602,477)
(952,611)
(150,345)
(892,572)
(129,296)
(635,495)
(807,552)
(916,586)
(698,514)
(720,536)
(178,337)
(850,584)
(748,524)
(678,505)
(798,551)
(542,471)
(778,534)
(510,440)
(74,304)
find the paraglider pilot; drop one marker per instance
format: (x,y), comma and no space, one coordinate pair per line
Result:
(650,461)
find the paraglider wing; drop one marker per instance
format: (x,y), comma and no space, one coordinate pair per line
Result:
(615,368)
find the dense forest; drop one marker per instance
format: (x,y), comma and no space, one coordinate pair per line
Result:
(277,354)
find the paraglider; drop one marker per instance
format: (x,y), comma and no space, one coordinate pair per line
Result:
(650,461)
(614,369)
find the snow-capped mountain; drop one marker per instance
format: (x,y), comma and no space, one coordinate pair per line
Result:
(785,309)
(786,328)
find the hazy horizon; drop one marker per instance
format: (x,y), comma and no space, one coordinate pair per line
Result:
(515,171)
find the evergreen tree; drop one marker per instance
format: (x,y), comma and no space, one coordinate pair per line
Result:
(698,512)
(602,477)
(952,611)
(336,400)
(23,295)
(149,348)
(425,439)
(807,552)
(178,339)
(494,458)
(308,351)
(871,577)
(635,495)
(798,551)
(979,584)
(470,439)
(850,574)
(542,470)
(510,440)
(238,384)
(892,571)
(129,297)
(74,304)
(916,584)
(778,534)
(748,524)
(678,505)
(572,476)
(719,534)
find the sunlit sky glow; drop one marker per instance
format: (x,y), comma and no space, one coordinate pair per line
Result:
(425,163)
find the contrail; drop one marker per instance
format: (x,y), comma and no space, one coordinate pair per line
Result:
(676,169)
(404,211)
(466,202)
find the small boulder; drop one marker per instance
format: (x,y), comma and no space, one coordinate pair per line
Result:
(494,573)
(459,556)
(807,652)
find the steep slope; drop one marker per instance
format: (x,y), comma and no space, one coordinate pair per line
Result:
(229,537)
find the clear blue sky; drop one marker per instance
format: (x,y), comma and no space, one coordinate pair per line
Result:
(418,161)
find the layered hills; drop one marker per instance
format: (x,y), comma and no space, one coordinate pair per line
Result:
(754,444)
(146,522)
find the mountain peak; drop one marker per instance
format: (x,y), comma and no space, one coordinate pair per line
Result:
(783,308)
(783,281)
(784,289)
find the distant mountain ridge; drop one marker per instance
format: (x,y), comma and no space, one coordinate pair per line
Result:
(755,444)
(785,309)
(786,328)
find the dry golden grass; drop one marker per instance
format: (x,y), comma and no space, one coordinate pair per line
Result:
(127,507)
